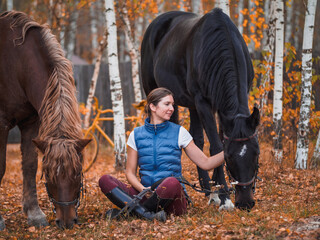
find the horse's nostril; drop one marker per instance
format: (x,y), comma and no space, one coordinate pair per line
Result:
(58,223)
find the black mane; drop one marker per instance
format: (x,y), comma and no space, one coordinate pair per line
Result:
(220,50)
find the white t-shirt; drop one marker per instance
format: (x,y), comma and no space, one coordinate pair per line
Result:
(184,139)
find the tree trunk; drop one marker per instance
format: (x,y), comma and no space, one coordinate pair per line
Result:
(9,5)
(224,5)
(288,31)
(278,83)
(197,7)
(70,46)
(240,18)
(181,5)
(93,84)
(115,87)
(94,29)
(315,160)
(306,88)
(134,56)
(268,55)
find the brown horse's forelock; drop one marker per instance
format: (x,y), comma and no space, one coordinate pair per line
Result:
(60,120)
(57,158)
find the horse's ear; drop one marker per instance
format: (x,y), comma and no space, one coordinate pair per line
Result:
(254,118)
(81,143)
(41,145)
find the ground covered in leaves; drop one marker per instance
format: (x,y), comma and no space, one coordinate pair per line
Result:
(287,207)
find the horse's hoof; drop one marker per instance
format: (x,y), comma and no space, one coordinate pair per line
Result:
(2,224)
(37,218)
(214,199)
(228,205)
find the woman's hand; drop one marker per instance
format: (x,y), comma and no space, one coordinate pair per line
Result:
(201,160)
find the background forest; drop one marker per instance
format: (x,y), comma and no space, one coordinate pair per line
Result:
(80,26)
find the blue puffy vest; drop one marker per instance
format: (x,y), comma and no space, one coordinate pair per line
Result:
(159,155)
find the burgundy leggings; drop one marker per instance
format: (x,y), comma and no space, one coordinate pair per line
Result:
(170,188)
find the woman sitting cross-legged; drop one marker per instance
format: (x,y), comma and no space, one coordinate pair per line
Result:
(156,149)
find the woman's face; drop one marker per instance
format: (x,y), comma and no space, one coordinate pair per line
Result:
(163,111)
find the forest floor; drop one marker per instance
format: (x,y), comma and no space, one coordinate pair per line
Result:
(287,207)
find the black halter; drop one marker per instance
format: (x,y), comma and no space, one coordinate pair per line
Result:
(232,180)
(75,201)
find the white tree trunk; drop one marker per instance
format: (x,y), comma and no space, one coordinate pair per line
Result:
(160,4)
(94,28)
(315,160)
(115,87)
(72,34)
(278,83)
(240,18)
(224,5)
(306,87)
(93,84)
(134,56)
(288,25)
(269,53)
(9,5)
(266,9)
(181,5)
(197,6)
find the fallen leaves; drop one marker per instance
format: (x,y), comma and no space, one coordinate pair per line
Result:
(286,201)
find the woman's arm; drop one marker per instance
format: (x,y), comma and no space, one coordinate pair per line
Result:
(201,160)
(131,169)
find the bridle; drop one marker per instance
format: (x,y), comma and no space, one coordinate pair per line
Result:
(76,201)
(232,180)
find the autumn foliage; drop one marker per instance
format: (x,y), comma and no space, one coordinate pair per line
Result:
(287,205)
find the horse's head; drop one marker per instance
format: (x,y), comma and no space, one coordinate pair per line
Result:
(62,168)
(241,149)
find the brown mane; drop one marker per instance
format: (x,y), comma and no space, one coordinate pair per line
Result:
(60,121)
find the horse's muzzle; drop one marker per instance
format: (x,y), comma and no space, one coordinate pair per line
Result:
(244,198)
(69,225)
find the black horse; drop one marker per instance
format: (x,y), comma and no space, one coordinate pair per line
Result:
(205,62)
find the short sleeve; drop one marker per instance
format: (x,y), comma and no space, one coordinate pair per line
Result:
(184,138)
(131,142)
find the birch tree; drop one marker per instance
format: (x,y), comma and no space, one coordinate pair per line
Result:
(306,87)
(9,5)
(94,28)
(72,34)
(134,55)
(240,18)
(93,83)
(224,5)
(115,87)
(315,160)
(197,7)
(268,54)
(278,82)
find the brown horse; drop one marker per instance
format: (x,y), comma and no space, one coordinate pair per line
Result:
(37,93)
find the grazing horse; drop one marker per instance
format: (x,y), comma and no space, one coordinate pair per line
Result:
(205,62)
(37,93)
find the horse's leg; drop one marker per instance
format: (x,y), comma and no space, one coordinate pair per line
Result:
(29,168)
(209,122)
(196,130)
(3,149)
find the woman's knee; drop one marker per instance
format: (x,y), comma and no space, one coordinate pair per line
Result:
(106,183)
(169,188)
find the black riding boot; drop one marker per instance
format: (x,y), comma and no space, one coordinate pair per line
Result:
(155,203)
(118,197)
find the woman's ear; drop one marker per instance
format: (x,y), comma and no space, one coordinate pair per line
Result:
(152,107)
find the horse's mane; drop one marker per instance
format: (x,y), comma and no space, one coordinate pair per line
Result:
(220,54)
(60,121)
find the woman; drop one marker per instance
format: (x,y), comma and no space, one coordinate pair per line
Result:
(156,149)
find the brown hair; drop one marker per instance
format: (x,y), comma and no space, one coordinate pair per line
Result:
(154,97)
